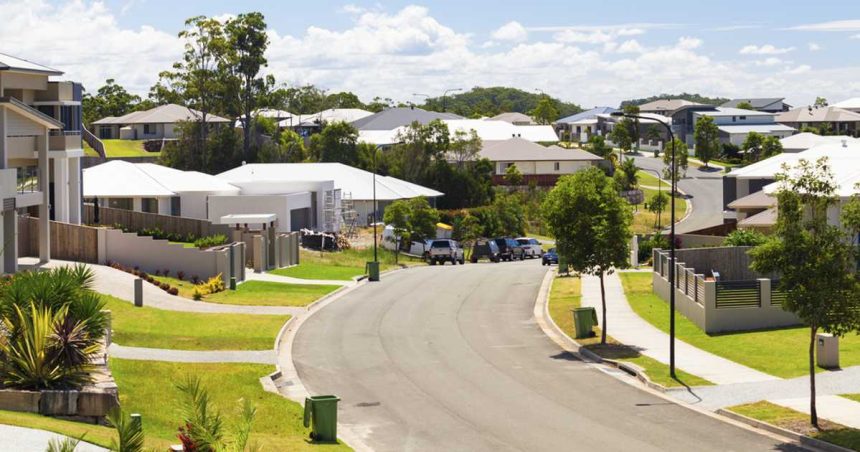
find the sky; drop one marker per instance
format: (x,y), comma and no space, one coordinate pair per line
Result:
(591,53)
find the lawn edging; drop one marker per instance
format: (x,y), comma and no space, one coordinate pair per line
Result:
(802,439)
(554,332)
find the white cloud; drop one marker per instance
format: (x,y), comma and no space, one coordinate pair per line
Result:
(351,9)
(512,31)
(594,36)
(814,47)
(836,25)
(767,49)
(397,53)
(771,61)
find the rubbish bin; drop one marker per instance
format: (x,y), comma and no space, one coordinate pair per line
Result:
(321,413)
(827,351)
(372,269)
(583,320)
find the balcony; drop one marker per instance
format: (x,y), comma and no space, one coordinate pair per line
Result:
(28,186)
(64,140)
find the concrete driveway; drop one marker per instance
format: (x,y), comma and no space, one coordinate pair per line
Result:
(451,358)
(704,188)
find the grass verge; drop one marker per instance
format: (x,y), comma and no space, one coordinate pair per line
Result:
(799,422)
(95,434)
(148,388)
(779,352)
(157,328)
(854,397)
(257,293)
(127,148)
(565,296)
(648,178)
(341,265)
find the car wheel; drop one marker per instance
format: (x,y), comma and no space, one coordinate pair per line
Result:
(432,261)
(453,261)
(473,260)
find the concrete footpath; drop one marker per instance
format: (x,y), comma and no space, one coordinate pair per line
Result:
(734,383)
(192,356)
(20,439)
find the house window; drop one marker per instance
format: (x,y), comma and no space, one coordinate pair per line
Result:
(557,166)
(734,119)
(743,118)
(149,205)
(120,203)
(149,129)
(503,166)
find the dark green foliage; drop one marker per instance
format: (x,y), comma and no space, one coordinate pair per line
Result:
(744,237)
(686,96)
(210,241)
(646,246)
(492,101)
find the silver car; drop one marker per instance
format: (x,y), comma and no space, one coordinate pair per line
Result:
(446,250)
(531,247)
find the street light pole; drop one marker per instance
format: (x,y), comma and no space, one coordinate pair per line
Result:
(673,178)
(445,97)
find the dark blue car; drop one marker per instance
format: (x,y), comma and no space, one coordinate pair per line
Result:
(550,257)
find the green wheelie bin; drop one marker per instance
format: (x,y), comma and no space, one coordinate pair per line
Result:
(321,415)
(372,270)
(583,320)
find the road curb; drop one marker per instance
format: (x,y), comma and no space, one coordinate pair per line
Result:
(802,439)
(554,332)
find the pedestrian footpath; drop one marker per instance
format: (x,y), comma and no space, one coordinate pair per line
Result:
(20,439)
(192,356)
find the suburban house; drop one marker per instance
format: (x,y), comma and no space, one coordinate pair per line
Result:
(316,196)
(765,104)
(487,130)
(517,119)
(537,163)
(665,107)
(314,122)
(392,118)
(40,150)
(835,119)
(645,123)
(157,123)
(581,126)
(734,123)
(852,104)
(805,140)
(151,188)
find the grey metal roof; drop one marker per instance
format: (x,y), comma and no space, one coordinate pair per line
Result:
(514,118)
(393,118)
(10,63)
(519,149)
(163,114)
(588,114)
(757,103)
(33,113)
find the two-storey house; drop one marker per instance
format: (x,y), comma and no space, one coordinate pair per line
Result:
(40,150)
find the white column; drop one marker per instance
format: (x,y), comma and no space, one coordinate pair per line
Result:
(164,206)
(137,204)
(10,242)
(2,136)
(44,208)
(61,189)
(75,202)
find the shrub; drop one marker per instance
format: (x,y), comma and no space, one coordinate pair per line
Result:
(51,323)
(195,280)
(166,272)
(164,286)
(210,241)
(180,276)
(744,237)
(158,273)
(215,284)
(648,245)
(173,291)
(196,294)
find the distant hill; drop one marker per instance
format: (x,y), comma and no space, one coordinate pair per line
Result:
(686,96)
(494,100)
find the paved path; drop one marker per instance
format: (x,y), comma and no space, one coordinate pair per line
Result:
(704,188)
(628,328)
(192,356)
(452,358)
(20,439)
(271,277)
(833,408)
(121,285)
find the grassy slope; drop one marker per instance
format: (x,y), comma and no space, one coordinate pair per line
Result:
(148,387)
(781,352)
(257,293)
(156,328)
(854,397)
(645,221)
(122,148)
(565,295)
(95,434)
(648,178)
(799,422)
(342,265)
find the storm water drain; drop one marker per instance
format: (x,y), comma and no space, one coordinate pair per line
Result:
(367,404)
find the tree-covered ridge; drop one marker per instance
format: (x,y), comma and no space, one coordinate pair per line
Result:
(697,98)
(497,99)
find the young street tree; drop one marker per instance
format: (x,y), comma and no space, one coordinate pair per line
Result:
(656,205)
(681,155)
(397,216)
(816,261)
(591,224)
(545,111)
(247,43)
(707,136)
(752,146)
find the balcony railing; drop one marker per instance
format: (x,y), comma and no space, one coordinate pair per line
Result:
(61,140)
(28,179)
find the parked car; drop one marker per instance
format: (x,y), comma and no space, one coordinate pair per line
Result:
(550,257)
(531,247)
(446,250)
(485,249)
(509,249)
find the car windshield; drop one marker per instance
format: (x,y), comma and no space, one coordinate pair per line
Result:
(533,242)
(523,241)
(552,250)
(441,244)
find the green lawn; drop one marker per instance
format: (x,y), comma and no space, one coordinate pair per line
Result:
(644,222)
(781,352)
(799,422)
(157,328)
(258,293)
(341,265)
(122,148)
(648,178)
(148,388)
(854,397)
(565,296)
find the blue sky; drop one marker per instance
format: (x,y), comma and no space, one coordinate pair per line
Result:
(586,52)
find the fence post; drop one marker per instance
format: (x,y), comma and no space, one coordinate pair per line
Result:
(710,302)
(138,292)
(764,292)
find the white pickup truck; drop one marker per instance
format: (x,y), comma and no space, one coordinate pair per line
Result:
(446,250)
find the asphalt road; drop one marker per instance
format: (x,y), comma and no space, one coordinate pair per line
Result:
(451,358)
(705,191)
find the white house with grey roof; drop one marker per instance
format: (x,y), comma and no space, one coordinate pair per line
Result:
(735,124)
(154,124)
(765,104)
(538,164)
